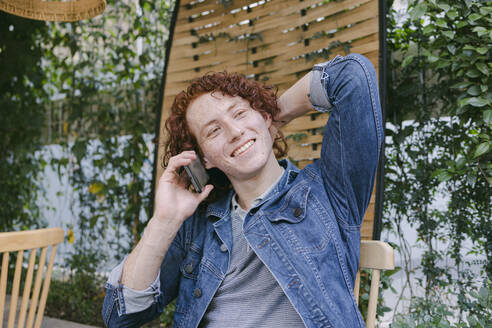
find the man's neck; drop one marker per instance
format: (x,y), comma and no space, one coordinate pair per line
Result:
(249,190)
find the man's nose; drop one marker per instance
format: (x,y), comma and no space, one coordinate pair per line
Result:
(234,131)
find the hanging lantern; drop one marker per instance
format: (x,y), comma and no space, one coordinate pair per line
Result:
(54,10)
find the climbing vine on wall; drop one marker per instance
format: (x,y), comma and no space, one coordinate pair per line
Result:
(439,107)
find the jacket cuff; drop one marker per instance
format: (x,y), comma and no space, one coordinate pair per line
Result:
(318,85)
(130,300)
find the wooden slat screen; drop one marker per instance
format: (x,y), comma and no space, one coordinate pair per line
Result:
(275,42)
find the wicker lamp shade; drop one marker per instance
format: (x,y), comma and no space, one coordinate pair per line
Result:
(52,10)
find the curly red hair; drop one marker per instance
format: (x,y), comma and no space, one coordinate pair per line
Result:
(261,98)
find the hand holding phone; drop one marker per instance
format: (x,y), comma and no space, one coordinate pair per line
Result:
(174,201)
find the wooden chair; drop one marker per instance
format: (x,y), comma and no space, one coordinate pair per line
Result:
(20,242)
(375,255)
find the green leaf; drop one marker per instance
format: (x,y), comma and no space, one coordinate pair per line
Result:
(473,101)
(482,68)
(485,10)
(474,90)
(482,50)
(451,48)
(449,34)
(461,24)
(452,14)
(487,116)
(478,101)
(407,61)
(460,162)
(481,149)
(443,176)
(429,28)
(418,11)
(444,6)
(473,17)
(461,85)
(432,59)
(480,30)
(473,73)
(441,23)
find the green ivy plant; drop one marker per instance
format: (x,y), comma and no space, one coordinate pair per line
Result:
(108,71)
(438,105)
(21,121)
(457,49)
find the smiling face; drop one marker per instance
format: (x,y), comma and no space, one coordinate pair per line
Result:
(232,136)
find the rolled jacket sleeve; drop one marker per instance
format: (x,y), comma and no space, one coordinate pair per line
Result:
(130,300)
(317,93)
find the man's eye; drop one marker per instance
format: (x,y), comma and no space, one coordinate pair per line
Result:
(213,131)
(240,113)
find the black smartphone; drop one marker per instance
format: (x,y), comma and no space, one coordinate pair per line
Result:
(198,175)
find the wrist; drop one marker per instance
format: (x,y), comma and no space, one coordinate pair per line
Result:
(160,232)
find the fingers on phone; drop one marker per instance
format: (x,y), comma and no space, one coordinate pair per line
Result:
(205,192)
(178,161)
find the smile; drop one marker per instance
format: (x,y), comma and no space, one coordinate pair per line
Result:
(243,148)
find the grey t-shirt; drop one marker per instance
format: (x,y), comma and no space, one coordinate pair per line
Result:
(249,296)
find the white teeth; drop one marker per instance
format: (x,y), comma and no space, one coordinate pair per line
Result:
(243,148)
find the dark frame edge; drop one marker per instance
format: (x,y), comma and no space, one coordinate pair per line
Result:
(158,110)
(378,209)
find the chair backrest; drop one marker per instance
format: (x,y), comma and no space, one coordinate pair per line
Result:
(375,255)
(29,241)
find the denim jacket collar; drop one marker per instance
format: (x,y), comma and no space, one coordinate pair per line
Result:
(221,207)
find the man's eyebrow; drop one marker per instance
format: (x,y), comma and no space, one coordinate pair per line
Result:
(232,106)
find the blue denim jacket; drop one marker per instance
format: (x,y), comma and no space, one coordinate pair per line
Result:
(306,231)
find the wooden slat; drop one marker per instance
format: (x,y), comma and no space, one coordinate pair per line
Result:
(15,289)
(27,288)
(3,283)
(302,153)
(22,240)
(385,259)
(46,287)
(373,299)
(357,287)
(306,140)
(184,13)
(37,287)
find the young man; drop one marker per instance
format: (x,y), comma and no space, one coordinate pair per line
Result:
(266,244)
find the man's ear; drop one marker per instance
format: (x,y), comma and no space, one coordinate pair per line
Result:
(268,118)
(207,163)
(271,127)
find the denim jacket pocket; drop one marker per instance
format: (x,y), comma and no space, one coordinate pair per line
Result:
(299,222)
(293,209)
